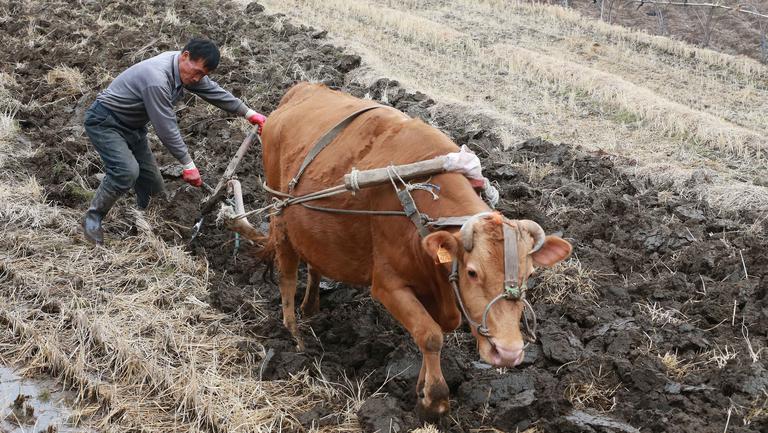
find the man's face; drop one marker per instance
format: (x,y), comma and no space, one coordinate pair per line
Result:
(191,71)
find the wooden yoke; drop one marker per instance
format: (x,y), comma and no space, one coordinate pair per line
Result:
(366,178)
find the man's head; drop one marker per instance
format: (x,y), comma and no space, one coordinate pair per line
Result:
(199,58)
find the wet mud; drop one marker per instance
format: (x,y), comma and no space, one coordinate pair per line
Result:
(34,405)
(657,324)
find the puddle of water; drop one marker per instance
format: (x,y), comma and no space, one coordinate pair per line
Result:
(45,407)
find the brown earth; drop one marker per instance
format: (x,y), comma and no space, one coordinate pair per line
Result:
(670,276)
(729,31)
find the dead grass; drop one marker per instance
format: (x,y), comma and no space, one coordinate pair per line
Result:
(9,127)
(68,81)
(739,64)
(719,356)
(546,71)
(660,315)
(563,281)
(678,368)
(128,330)
(132,316)
(171,17)
(535,171)
(428,428)
(667,118)
(757,412)
(597,392)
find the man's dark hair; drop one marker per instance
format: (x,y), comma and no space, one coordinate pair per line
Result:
(203,49)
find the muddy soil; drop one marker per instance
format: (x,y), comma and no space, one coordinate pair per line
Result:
(662,291)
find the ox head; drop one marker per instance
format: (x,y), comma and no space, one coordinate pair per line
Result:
(485,275)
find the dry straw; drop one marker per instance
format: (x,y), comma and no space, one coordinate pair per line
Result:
(66,80)
(131,316)
(544,70)
(126,329)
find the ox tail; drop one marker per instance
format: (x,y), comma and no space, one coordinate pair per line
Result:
(265,253)
(262,250)
(262,246)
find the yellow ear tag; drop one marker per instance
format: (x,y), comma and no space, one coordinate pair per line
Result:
(443,255)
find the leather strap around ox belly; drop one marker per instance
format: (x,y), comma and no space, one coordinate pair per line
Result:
(325,140)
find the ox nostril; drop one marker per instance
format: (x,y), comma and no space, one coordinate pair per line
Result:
(510,353)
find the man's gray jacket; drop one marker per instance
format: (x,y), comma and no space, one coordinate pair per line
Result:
(148,90)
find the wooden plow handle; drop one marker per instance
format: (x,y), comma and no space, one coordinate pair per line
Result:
(220,188)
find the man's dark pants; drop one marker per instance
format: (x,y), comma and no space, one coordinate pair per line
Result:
(128,160)
(128,163)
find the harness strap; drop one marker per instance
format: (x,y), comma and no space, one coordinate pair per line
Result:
(453,278)
(511,265)
(324,141)
(412,212)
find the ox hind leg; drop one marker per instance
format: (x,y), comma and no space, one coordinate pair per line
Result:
(311,304)
(288,264)
(401,302)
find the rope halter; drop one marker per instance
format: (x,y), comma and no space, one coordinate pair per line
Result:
(514,287)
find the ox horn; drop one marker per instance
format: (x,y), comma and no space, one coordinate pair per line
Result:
(468,230)
(536,231)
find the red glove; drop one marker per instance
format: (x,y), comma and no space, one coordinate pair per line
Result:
(192,177)
(256,119)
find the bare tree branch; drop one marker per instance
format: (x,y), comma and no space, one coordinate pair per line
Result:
(711,5)
(707,24)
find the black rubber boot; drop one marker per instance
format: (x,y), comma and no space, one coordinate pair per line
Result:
(142,200)
(101,204)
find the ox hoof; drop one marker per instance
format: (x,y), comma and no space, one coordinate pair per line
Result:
(309,310)
(300,347)
(432,412)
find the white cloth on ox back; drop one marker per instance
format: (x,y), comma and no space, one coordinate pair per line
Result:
(491,194)
(466,162)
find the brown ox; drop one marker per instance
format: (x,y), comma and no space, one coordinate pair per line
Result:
(387,252)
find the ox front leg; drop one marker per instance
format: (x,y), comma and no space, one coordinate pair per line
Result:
(311,304)
(431,389)
(288,263)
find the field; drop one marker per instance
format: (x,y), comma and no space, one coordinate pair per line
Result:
(648,154)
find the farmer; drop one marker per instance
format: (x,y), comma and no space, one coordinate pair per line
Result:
(116,124)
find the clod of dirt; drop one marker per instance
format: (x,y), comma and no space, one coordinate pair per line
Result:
(348,62)
(285,361)
(560,345)
(480,392)
(516,413)
(532,355)
(254,8)
(751,379)
(580,421)
(381,414)
(318,416)
(22,411)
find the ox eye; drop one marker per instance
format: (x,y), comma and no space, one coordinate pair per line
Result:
(472,273)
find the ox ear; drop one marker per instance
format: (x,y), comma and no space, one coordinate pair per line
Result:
(440,243)
(552,252)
